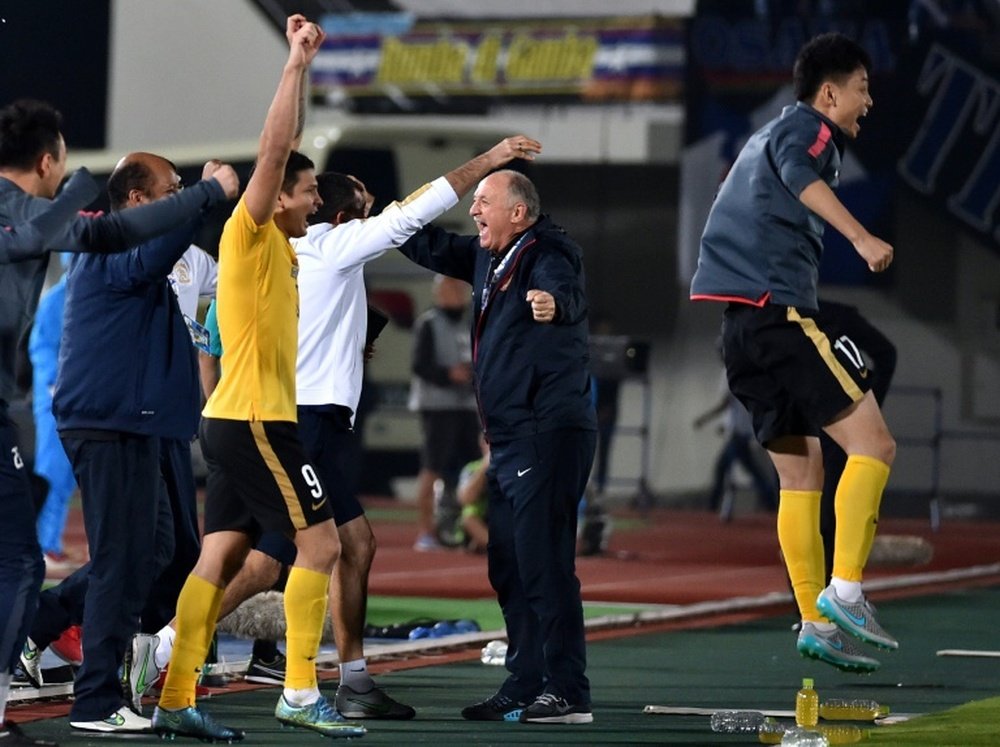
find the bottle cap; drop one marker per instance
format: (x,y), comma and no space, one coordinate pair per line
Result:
(807,682)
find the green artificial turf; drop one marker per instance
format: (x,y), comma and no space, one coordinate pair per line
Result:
(384,610)
(975,723)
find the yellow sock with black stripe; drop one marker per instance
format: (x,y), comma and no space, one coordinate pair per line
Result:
(305,612)
(802,547)
(859,495)
(197,611)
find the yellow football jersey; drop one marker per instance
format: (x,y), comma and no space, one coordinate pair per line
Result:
(258,309)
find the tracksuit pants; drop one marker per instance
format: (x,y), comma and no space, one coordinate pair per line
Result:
(122,496)
(535,485)
(22,569)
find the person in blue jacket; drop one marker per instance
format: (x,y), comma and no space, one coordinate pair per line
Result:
(32,166)
(50,457)
(530,356)
(128,378)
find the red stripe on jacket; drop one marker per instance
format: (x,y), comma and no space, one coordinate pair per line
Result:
(821,140)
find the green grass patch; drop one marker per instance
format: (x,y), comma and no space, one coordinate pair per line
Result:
(384,610)
(975,723)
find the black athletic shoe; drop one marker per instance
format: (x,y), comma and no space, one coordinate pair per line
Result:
(495,708)
(267,672)
(374,703)
(11,734)
(551,709)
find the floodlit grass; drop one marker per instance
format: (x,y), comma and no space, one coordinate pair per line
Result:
(384,610)
(976,723)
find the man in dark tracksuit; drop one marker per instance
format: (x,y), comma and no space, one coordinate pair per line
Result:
(128,377)
(32,165)
(530,356)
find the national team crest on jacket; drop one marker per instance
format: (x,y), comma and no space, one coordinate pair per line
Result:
(182,272)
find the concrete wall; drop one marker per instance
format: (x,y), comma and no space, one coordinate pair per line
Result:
(188,70)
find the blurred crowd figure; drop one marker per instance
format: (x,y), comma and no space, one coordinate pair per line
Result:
(51,462)
(473,498)
(441,391)
(739,448)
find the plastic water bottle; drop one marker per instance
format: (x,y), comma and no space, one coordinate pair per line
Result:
(442,629)
(421,631)
(842,733)
(798,737)
(736,722)
(839,709)
(495,653)
(771,732)
(466,626)
(806,705)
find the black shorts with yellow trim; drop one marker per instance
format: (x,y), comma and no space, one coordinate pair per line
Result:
(792,369)
(259,478)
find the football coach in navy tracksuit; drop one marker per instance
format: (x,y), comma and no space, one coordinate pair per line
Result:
(530,352)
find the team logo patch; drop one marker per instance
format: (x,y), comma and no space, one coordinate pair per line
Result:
(182,273)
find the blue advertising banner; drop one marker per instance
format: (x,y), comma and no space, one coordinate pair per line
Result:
(934,126)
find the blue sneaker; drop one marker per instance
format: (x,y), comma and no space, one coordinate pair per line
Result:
(856,618)
(319,716)
(495,708)
(192,722)
(834,648)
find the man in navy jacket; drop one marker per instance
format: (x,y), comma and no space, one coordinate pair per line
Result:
(128,378)
(530,354)
(32,166)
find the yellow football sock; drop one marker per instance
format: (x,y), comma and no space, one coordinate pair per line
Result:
(859,494)
(802,546)
(197,612)
(305,612)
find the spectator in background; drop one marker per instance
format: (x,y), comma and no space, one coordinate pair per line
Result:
(441,391)
(50,457)
(740,448)
(473,497)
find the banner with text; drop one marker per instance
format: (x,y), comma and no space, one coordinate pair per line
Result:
(460,66)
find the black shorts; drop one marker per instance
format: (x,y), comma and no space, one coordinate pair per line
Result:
(794,371)
(451,440)
(331,445)
(259,478)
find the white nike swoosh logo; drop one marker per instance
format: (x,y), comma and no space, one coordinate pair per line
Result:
(523,472)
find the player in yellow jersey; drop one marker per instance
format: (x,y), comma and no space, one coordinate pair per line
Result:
(259,478)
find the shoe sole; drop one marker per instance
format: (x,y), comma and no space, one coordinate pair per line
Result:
(514,715)
(836,615)
(264,680)
(567,718)
(845,666)
(109,730)
(169,734)
(400,716)
(335,732)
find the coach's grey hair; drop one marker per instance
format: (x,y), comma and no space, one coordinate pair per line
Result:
(520,189)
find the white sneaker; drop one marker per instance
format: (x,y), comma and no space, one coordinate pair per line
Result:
(31,663)
(140,668)
(122,721)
